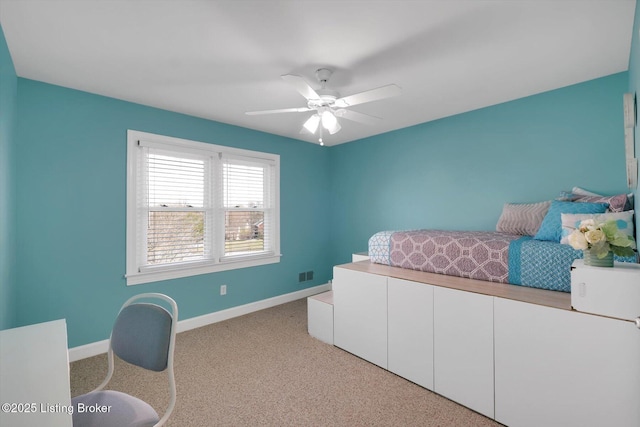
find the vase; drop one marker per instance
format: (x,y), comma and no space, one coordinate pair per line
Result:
(590,258)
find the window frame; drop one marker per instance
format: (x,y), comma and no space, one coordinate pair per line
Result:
(137,272)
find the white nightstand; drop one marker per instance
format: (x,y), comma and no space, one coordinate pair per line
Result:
(613,292)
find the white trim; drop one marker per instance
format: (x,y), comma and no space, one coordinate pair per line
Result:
(99,347)
(88,350)
(196,146)
(176,273)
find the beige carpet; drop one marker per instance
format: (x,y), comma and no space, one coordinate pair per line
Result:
(263,369)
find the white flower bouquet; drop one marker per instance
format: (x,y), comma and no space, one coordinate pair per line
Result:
(601,238)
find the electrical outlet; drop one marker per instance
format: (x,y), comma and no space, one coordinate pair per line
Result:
(302,277)
(309,275)
(223,289)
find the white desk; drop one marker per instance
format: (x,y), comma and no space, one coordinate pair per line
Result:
(34,376)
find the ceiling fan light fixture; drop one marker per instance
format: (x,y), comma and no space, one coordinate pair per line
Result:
(312,123)
(329,122)
(335,129)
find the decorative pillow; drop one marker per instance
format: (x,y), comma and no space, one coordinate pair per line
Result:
(617,204)
(551,227)
(568,196)
(571,222)
(522,218)
(583,192)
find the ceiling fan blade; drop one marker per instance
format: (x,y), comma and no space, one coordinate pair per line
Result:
(368,96)
(282,110)
(301,86)
(357,117)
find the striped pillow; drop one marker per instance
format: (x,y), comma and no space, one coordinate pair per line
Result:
(522,218)
(583,192)
(617,203)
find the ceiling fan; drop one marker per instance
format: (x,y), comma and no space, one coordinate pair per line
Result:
(328,105)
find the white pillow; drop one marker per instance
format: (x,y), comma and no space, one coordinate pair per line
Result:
(583,192)
(570,222)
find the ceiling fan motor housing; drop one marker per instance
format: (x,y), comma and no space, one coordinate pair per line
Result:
(327,98)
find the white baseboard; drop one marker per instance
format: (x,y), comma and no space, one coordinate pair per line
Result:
(99,347)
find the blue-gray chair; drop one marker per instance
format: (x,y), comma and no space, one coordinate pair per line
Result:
(143,335)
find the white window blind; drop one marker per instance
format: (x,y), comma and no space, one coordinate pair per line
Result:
(178,202)
(194,208)
(247,206)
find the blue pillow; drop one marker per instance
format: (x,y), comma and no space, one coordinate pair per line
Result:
(551,227)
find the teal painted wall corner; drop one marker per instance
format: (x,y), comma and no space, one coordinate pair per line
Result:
(8,106)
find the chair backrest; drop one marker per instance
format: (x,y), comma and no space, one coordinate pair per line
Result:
(144,333)
(141,335)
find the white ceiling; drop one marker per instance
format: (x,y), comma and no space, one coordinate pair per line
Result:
(218,59)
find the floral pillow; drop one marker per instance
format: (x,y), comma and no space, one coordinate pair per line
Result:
(571,222)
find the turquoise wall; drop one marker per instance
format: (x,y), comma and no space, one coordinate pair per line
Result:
(71,170)
(634,87)
(8,105)
(456,173)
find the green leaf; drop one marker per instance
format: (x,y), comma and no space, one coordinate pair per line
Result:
(622,251)
(621,240)
(610,229)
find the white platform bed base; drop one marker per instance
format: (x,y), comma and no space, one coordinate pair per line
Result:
(518,355)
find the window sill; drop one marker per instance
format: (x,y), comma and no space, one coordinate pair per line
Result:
(156,276)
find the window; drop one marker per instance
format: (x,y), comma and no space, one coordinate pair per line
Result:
(195,208)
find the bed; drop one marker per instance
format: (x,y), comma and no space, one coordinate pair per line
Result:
(527,249)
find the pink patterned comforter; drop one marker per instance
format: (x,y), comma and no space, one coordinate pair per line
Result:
(473,254)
